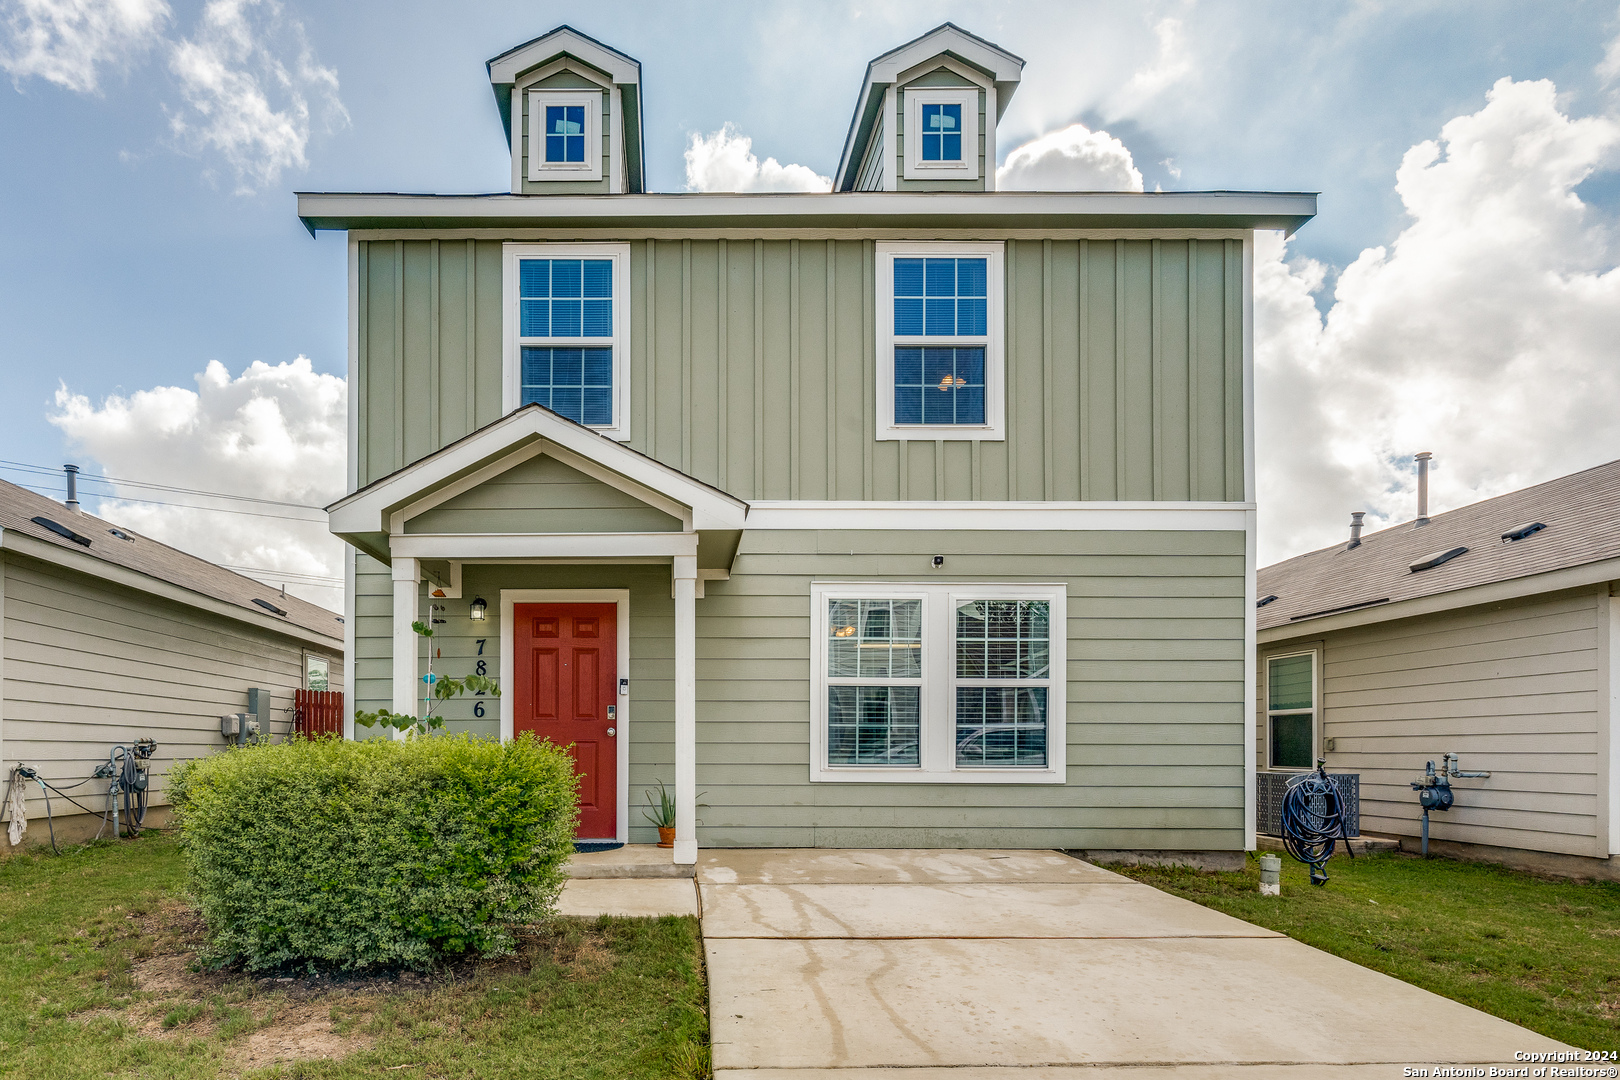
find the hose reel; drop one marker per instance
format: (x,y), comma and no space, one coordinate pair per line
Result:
(1314,821)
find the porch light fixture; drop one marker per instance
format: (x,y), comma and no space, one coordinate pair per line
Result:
(478,610)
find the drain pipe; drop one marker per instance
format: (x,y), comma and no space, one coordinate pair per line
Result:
(73,486)
(1355,530)
(1423,489)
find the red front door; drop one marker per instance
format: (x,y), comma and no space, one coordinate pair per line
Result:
(566,673)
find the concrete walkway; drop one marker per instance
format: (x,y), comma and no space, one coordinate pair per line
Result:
(1012,965)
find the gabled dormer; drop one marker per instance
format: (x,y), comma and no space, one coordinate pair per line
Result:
(927,114)
(571,108)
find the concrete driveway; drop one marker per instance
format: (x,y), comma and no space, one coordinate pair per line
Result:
(970,965)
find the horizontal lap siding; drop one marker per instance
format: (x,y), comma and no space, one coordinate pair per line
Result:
(90,665)
(1155,720)
(752,367)
(1512,687)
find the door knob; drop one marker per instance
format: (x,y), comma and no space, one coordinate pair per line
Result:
(612,732)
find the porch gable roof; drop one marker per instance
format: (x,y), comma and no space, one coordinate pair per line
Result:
(365,517)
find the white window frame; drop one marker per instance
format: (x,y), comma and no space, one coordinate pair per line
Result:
(968,167)
(1315,711)
(591,167)
(937,698)
(512,348)
(308,656)
(994,429)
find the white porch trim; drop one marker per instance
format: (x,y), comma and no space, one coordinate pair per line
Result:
(509,600)
(685,574)
(407,581)
(466,547)
(370,510)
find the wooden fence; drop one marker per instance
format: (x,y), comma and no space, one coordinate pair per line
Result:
(318,712)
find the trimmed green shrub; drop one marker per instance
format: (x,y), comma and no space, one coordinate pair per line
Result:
(381,853)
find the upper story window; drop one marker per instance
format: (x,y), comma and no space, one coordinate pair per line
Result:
(565,135)
(566,338)
(942,133)
(940,366)
(938,682)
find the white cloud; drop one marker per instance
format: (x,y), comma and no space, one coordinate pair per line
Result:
(245,101)
(67,41)
(1485,333)
(1171,64)
(273,432)
(1074,158)
(1609,68)
(724,161)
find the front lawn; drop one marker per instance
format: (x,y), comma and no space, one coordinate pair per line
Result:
(1541,952)
(96,980)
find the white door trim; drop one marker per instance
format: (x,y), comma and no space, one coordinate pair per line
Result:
(510,598)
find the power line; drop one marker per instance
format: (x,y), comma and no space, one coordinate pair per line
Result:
(288,574)
(184,506)
(22,466)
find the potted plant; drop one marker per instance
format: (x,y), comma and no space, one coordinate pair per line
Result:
(662,814)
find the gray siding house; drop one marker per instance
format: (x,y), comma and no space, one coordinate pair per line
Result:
(1491,631)
(910,514)
(107,636)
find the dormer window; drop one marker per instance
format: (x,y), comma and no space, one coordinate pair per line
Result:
(941,133)
(940,367)
(565,135)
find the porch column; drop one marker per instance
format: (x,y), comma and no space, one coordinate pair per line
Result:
(407,578)
(685,572)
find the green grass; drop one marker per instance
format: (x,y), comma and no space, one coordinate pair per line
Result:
(1540,952)
(79,935)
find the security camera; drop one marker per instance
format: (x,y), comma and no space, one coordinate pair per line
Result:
(939,561)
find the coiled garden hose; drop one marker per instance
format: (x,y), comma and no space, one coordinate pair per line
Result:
(1313,821)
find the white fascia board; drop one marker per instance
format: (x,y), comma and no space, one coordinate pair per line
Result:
(1255,209)
(1003,516)
(579,546)
(508,66)
(1002,65)
(369,510)
(91,566)
(1573,577)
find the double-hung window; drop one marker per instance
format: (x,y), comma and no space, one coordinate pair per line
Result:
(940,329)
(1291,711)
(565,135)
(566,338)
(938,683)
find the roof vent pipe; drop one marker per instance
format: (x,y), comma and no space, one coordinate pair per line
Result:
(73,486)
(1423,489)
(1355,529)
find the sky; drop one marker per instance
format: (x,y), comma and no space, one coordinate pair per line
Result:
(166,320)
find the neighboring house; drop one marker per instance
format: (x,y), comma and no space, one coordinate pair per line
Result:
(107,636)
(910,514)
(1507,653)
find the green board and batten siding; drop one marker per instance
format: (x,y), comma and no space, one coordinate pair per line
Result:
(1155,685)
(752,368)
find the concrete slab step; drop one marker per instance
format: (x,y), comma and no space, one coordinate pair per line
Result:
(630,861)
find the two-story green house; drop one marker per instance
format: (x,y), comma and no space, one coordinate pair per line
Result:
(910,514)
